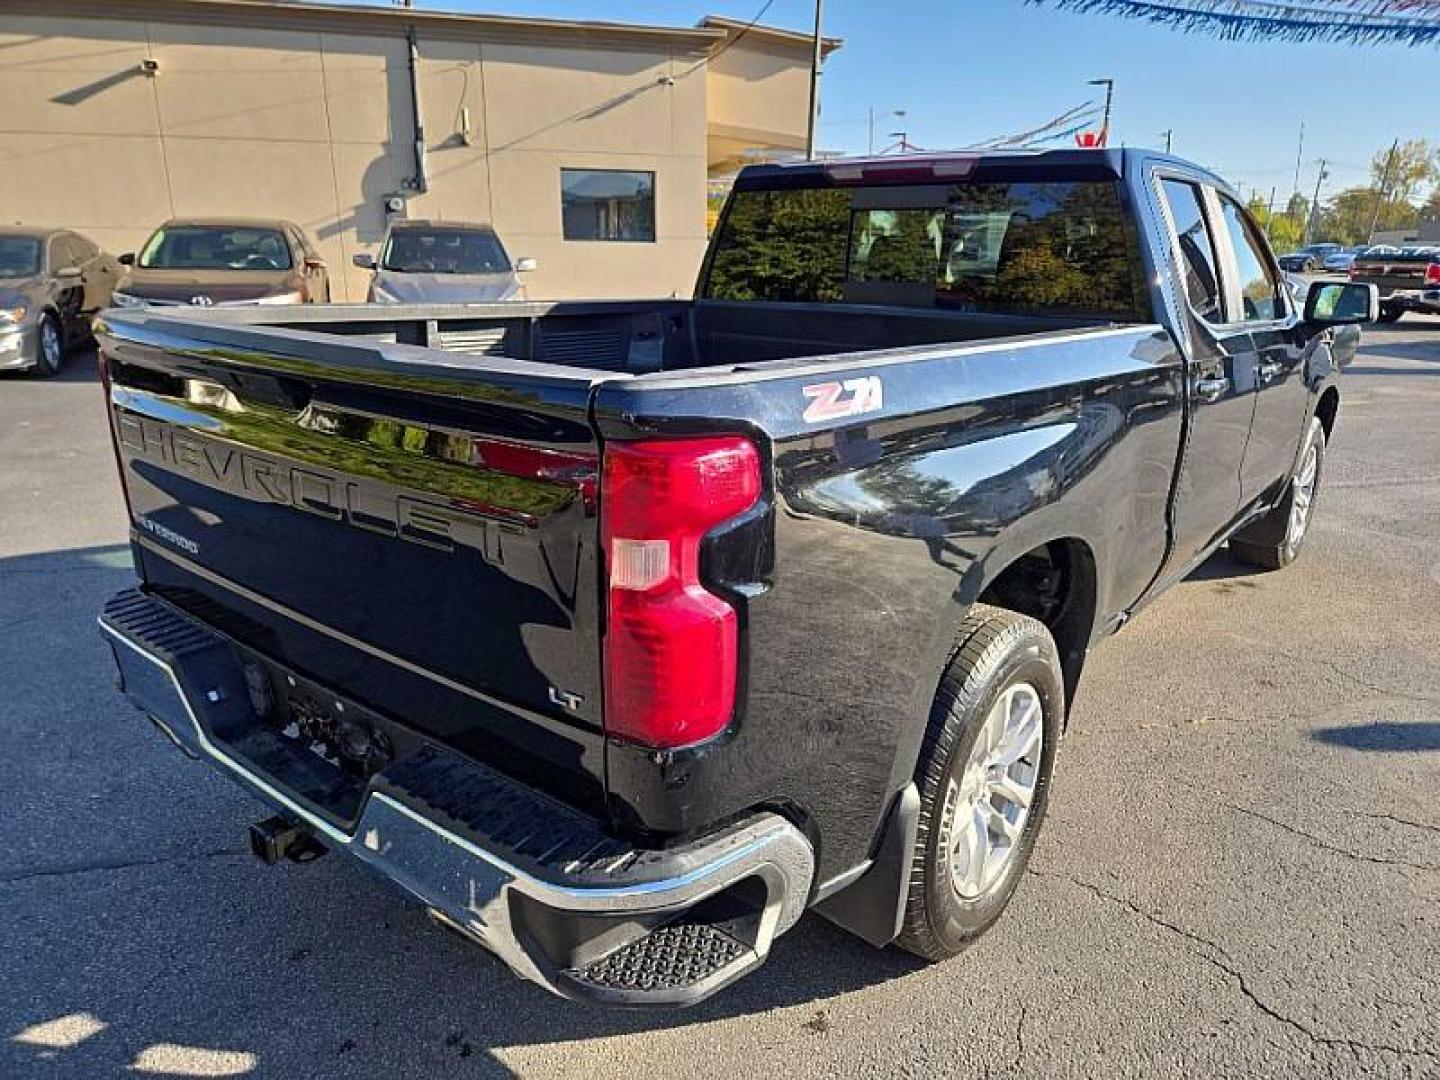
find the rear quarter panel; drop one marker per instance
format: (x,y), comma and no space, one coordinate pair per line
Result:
(886,527)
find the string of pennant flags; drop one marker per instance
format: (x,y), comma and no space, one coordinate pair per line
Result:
(1361,22)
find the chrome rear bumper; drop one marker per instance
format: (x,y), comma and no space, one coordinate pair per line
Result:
(583,914)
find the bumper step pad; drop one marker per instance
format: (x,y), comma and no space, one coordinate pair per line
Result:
(675,957)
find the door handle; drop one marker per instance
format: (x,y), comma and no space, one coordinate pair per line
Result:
(1268,370)
(1211,389)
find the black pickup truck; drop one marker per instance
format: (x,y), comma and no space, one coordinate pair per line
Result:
(622,633)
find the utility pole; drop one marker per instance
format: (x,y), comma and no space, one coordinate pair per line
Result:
(1270,213)
(1314,203)
(1383,192)
(1109,85)
(1299,150)
(814,85)
(1167,133)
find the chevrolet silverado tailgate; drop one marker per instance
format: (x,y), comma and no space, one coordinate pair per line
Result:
(417,526)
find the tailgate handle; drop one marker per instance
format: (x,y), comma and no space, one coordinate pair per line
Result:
(277,391)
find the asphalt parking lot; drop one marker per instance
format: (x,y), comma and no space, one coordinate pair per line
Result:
(1240,874)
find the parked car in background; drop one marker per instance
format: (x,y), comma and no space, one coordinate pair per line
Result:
(1339,262)
(1309,258)
(1408,278)
(51,282)
(621,632)
(218,261)
(443,262)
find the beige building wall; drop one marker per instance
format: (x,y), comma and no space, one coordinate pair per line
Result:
(758,93)
(297,116)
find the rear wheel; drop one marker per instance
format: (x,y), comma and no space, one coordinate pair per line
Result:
(51,351)
(984,779)
(1390,313)
(1274,542)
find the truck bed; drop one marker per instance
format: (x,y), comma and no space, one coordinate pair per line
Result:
(634,337)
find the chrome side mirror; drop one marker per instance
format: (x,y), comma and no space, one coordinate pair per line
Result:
(1341,303)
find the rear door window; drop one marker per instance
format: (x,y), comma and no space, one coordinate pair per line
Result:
(1259,289)
(1197,249)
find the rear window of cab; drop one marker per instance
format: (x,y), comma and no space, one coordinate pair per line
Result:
(1062,249)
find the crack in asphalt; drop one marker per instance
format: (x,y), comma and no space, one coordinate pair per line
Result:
(106,865)
(1020,1037)
(1399,820)
(1217,957)
(23,620)
(1355,680)
(1325,845)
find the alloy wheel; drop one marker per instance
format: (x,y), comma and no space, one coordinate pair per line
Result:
(989,802)
(1302,497)
(50,344)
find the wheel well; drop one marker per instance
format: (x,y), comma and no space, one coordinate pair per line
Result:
(1054,583)
(1326,408)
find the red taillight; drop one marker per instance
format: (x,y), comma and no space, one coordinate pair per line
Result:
(671,646)
(1432,274)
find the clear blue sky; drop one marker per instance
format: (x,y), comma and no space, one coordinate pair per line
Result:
(967,70)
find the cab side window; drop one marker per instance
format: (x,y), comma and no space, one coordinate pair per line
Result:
(85,250)
(63,253)
(1197,249)
(1259,290)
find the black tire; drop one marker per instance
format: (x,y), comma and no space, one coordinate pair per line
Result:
(1389,313)
(1271,543)
(996,650)
(47,362)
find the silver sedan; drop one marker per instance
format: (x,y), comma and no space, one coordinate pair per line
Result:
(52,281)
(443,262)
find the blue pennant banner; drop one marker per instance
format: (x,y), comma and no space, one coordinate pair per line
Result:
(1361,22)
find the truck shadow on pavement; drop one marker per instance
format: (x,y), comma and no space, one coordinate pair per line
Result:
(143,937)
(1384,736)
(1222,566)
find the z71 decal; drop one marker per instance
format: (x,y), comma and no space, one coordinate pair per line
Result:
(833,400)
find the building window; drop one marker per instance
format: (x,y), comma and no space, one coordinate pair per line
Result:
(608,204)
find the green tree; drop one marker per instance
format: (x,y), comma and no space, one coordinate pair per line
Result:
(1346,218)
(1283,229)
(1414,165)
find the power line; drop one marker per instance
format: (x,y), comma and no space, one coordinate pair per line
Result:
(731,42)
(1084,111)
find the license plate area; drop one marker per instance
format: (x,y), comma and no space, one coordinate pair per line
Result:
(320,745)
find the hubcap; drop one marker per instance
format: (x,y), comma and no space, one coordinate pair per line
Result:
(989,802)
(1302,496)
(50,343)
